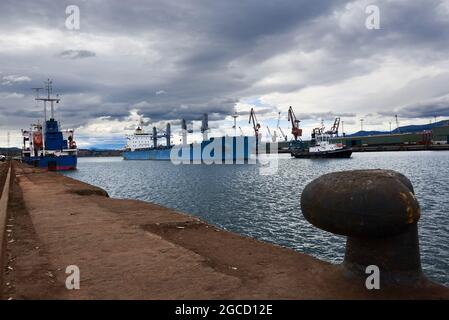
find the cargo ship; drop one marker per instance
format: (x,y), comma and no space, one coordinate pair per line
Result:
(142,145)
(45,145)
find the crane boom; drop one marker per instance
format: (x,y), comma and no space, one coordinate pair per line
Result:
(273,135)
(284,136)
(296,131)
(256,125)
(334,130)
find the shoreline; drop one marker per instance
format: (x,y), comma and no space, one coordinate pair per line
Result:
(130,249)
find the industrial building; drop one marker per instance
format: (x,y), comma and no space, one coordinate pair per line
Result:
(436,138)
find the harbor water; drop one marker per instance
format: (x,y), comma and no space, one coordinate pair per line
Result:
(267,207)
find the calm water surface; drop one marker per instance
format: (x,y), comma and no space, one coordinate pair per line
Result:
(239,199)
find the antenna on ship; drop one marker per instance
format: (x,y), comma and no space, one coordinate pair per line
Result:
(49,90)
(37,91)
(48,86)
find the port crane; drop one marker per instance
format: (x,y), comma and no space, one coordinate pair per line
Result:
(397,124)
(296,131)
(334,130)
(272,136)
(284,136)
(256,125)
(235,116)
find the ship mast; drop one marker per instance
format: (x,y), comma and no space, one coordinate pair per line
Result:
(45,116)
(48,86)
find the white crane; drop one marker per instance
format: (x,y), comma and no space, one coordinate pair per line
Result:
(284,136)
(272,136)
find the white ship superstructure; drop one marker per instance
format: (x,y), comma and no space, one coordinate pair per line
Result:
(139,140)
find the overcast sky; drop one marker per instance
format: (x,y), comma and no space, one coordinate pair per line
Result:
(172,59)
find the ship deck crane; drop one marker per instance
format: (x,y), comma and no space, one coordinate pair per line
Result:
(185,131)
(205,127)
(296,131)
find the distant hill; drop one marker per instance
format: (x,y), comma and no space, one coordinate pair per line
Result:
(99,153)
(12,152)
(404,129)
(15,152)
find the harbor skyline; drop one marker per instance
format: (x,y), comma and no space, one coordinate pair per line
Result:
(165,61)
(224,159)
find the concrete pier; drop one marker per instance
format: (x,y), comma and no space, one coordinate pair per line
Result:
(127,249)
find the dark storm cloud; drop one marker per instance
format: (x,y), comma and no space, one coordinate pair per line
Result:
(76,54)
(323,115)
(30,114)
(207,56)
(437,107)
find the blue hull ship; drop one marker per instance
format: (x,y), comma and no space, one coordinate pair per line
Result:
(47,146)
(230,148)
(144,146)
(150,154)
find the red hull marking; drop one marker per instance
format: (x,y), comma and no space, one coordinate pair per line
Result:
(63,168)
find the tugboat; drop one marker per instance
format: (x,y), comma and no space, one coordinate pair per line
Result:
(320,145)
(46,146)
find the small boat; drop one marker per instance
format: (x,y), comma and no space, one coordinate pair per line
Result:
(320,147)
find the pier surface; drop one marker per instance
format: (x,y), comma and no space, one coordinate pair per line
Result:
(128,249)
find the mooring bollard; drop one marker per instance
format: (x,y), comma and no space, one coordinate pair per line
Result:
(378,212)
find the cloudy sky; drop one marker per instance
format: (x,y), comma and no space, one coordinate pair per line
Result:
(169,59)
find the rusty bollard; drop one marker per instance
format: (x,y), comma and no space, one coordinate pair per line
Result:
(378,212)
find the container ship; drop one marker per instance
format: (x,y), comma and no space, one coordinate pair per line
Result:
(142,145)
(45,145)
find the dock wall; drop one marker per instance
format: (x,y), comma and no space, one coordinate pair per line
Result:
(129,249)
(3,222)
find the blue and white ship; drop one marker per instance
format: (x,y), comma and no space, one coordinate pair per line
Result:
(46,146)
(144,146)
